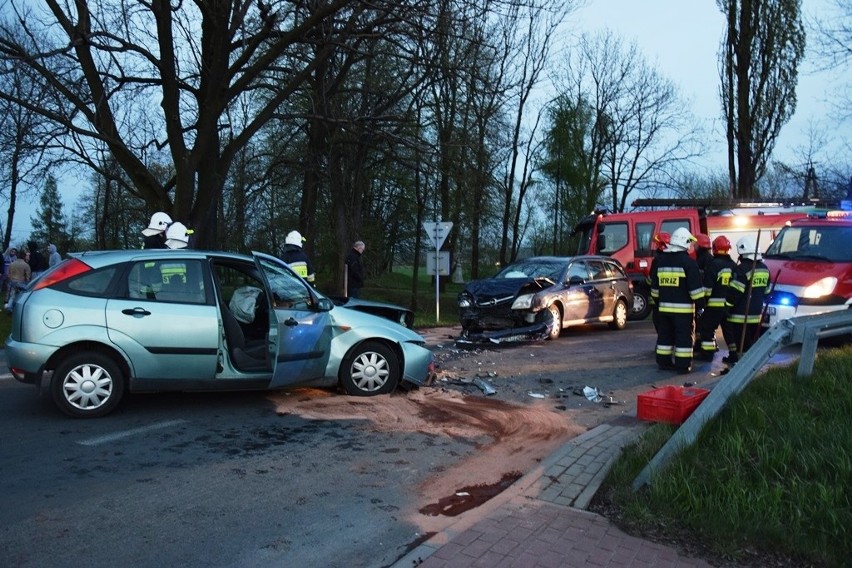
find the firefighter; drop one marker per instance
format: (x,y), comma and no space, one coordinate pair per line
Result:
(295,256)
(177,236)
(703,256)
(717,277)
(676,288)
(155,232)
(749,287)
(658,245)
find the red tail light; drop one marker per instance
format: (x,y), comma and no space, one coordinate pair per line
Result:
(69,268)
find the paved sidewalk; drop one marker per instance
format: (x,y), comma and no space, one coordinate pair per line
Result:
(541,520)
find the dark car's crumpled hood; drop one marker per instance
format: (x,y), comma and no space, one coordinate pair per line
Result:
(496,287)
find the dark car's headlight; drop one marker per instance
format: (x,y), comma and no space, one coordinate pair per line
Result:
(465,301)
(523,302)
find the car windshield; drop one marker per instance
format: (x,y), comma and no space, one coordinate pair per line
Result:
(533,269)
(819,242)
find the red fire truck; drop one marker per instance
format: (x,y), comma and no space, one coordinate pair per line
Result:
(810,263)
(627,236)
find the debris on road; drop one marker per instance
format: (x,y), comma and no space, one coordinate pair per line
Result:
(484,386)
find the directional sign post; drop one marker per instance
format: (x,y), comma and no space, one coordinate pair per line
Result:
(437,232)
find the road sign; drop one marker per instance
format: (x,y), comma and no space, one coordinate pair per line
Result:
(437,232)
(441,260)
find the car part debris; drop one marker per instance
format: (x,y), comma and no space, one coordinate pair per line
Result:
(592,394)
(535,332)
(484,386)
(535,394)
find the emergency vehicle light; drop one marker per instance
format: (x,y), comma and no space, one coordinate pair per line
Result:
(839,214)
(783,299)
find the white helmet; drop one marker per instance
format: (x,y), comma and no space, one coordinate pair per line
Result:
(680,240)
(159,222)
(177,236)
(747,247)
(294,238)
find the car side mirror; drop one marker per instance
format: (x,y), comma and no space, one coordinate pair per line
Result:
(575,281)
(325,305)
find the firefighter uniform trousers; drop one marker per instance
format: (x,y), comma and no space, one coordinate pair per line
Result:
(745,307)
(676,287)
(717,277)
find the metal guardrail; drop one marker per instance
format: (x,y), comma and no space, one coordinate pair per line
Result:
(807,330)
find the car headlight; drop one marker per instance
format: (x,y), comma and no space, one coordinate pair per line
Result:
(820,288)
(464,302)
(523,302)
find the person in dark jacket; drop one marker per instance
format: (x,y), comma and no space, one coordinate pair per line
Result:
(355,270)
(296,257)
(717,276)
(676,287)
(748,289)
(37,261)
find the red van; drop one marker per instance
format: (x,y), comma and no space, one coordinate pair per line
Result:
(810,263)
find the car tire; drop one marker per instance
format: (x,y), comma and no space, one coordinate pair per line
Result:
(619,316)
(553,317)
(641,304)
(87,385)
(370,369)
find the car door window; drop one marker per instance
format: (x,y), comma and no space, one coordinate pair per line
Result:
(288,290)
(578,269)
(597,270)
(167,280)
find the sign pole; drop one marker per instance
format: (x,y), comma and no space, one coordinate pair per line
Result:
(438,232)
(437,284)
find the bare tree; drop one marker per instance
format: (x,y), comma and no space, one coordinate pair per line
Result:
(25,144)
(104,59)
(639,131)
(759,59)
(832,44)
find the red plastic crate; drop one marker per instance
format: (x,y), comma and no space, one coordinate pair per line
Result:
(670,404)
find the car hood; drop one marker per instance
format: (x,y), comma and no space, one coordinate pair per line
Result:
(496,287)
(346,317)
(803,273)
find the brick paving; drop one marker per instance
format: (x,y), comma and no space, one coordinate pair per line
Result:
(543,523)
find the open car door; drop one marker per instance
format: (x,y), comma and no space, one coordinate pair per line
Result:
(303,330)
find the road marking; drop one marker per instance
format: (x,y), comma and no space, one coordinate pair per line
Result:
(127,433)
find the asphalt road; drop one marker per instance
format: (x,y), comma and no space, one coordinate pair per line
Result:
(228,480)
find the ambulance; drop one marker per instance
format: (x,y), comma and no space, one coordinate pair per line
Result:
(627,237)
(810,265)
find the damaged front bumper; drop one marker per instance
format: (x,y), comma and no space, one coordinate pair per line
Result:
(535,332)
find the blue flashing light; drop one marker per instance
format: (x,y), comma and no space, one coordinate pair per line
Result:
(783,299)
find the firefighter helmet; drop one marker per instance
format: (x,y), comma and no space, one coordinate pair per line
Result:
(681,238)
(294,238)
(159,222)
(177,236)
(661,241)
(702,241)
(721,245)
(747,247)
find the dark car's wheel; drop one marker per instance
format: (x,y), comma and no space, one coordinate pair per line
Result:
(641,303)
(553,318)
(619,315)
(87,385)
(371,368)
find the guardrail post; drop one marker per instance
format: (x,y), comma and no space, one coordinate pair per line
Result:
(810,339)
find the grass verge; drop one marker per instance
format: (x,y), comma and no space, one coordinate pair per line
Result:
(769,477)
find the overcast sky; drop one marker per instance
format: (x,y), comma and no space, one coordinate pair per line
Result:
(681,38)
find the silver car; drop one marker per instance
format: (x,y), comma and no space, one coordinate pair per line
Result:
(102,323)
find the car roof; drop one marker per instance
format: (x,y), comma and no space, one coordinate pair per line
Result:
(566,258)
(98,258)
